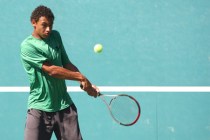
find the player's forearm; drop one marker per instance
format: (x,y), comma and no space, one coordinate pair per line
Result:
(63,73)
(71,67)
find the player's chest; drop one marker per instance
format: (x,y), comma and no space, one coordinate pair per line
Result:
(52,51)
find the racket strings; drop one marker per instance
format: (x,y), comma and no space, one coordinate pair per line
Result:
(124,109)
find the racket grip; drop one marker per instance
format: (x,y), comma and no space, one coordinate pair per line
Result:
(99,94)
(81,86)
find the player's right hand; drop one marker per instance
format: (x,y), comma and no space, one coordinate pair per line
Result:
(92,90)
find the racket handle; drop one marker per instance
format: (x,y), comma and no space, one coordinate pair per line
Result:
(99,94)
(81,86)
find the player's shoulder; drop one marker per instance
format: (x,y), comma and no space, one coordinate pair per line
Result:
(29,44)
(55,33)
(27,41)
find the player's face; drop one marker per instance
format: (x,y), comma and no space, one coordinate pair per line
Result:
(42,27)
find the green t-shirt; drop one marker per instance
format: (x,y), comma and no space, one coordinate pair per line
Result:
(46,93)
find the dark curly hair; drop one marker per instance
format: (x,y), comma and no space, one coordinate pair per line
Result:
(42,11)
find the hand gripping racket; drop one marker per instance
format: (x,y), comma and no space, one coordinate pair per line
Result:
(123,108)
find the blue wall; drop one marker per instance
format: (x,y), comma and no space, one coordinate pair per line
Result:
(146,43)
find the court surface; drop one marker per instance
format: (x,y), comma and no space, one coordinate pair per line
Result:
(156,51)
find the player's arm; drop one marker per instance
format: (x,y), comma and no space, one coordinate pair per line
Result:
(89,90)
(62,73)
(71,67)
(69,74)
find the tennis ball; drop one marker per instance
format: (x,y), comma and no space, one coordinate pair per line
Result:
(98,48)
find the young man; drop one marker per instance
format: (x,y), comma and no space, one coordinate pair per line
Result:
(50,108)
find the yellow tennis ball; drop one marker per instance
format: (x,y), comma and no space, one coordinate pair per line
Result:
(98,48)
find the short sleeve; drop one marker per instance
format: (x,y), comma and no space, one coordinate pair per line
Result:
(31,56)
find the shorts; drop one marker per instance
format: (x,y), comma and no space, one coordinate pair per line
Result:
(40,125)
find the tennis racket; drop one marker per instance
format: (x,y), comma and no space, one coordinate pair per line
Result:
(123,108)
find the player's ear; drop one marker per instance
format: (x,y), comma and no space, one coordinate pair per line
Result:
(33,22)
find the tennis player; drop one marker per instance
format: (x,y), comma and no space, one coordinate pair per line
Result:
(50,108)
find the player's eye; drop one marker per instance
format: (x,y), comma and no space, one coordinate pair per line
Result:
(44,25)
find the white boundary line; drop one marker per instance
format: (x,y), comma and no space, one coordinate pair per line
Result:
(122,89)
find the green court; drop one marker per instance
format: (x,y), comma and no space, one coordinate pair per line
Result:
(156,51)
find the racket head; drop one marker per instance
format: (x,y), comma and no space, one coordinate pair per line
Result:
(124,109)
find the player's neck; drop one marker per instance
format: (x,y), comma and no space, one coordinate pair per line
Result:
(35,35)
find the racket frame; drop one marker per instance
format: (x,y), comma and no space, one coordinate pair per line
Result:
(109,107)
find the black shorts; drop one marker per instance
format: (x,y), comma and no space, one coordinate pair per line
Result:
(40,125)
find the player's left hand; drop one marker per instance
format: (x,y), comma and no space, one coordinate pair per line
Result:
(96,88)
(93,91)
